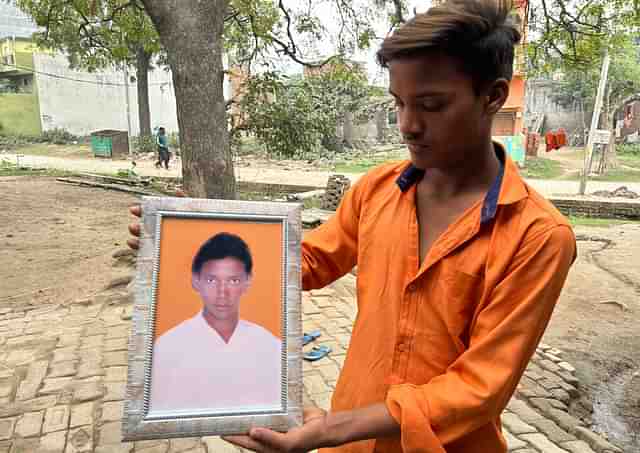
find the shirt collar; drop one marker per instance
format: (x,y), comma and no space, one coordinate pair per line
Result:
(507,188)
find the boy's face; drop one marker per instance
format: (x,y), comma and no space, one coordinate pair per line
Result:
(442,119)
(221,284)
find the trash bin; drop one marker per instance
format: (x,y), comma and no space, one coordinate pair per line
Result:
(110,143)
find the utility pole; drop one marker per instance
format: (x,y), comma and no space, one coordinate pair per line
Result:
(588,152)
(126,93)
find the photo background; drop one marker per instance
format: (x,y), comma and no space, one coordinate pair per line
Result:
(179,242)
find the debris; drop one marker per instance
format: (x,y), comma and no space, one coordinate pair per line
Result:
(620,192)
(118,187)
(622,306)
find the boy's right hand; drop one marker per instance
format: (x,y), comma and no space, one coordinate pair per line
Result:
(134,228)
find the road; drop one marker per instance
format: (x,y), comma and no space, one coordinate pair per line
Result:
(271,175)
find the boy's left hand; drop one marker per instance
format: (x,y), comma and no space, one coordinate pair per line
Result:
(301,439)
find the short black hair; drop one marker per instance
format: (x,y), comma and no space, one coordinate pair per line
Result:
(221,246)
(480,34)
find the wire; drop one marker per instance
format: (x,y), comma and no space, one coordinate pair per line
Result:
(91,82)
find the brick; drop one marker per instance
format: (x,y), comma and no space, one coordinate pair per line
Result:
(112,411)
(569,378)
(218,445)
(40,403)
(62,369)
(88,391)
(80,440)
(118,332)
(152,446)
(54,385)
(522,410)
(323,401)
(577,446)
(29,424)
(514,424)
(597,442)
(6,388)
(564,420)
(329,372)
(181,445)
(110,433)
(561,395)
(513,443)
(549,365)
(6,428)
(115,391)
(115,358)
(92,341)
(119,344)
(116,374)
(21,445)
(565,366)
(35,374)
(56,419)
(125,447)
(315,384)
(552,431)
(65,354)
(53,442)
(542,443)
(90,369)
(82,414)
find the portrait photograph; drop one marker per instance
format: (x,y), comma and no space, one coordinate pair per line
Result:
(217,318)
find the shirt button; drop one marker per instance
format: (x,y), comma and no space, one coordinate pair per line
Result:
(412,287)
(402,347)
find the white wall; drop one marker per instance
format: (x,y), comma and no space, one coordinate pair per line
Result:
(97,100)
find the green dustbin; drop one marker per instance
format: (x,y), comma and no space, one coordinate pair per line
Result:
(109,143)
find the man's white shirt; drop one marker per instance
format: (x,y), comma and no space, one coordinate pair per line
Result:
(194,370)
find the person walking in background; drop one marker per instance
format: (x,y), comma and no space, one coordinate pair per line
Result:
(163,149)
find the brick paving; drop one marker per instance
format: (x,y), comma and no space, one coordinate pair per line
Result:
(63,374)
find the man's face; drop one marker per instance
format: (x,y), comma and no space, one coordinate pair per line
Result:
(221,284)
(440,116)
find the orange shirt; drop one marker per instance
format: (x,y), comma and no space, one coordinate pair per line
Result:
(444,343)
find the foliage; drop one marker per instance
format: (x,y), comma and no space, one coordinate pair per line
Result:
(59,136)
(94,33)
(144,144)
(630,149)
(295,116)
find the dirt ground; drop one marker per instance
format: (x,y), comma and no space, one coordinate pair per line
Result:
(56,243)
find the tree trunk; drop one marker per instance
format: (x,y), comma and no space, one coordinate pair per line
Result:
(382,124)
(143,60)
(192,37)
(347,130)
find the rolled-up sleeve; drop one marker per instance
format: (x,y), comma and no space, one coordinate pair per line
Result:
(504,335)
(331,250)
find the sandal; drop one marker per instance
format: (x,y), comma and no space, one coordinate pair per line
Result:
(317,353)
(309,337)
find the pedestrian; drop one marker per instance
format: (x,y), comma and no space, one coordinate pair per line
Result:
(162,144)
(460,262)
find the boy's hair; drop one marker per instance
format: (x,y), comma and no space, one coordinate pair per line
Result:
(480,34)
(221,246)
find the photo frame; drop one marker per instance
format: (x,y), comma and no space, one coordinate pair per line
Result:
(182,366)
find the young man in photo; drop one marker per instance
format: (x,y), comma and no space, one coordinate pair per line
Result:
(215,360)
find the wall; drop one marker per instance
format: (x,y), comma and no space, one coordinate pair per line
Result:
(539,99)
(95,101)
(598,208)
(19,114)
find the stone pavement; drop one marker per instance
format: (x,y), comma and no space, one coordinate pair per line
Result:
(63,372)
(279,175)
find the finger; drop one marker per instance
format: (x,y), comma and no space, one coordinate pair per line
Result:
(266,437)
(244,442)
(136,210)
(134,229)
(133,244)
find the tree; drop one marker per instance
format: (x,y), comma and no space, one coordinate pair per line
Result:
(97,34)
(297,115)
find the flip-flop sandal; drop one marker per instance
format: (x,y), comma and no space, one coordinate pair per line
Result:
(317,353)
(309,337)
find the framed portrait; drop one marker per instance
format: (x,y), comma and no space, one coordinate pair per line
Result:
(216,341)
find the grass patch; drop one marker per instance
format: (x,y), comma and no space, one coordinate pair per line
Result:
(618,175)
(46,149)
(363,163)
(630,160)
(598,222)
(541,168)
(9,169)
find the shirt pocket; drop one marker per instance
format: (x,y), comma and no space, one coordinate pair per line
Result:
(461,296)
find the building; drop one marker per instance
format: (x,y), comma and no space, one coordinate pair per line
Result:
(40,92)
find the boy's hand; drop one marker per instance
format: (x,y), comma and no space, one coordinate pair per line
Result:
(134,228)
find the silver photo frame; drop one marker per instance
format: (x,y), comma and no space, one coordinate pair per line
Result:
(139,423)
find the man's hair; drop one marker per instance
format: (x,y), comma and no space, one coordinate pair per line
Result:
(221,246)
(480,34)
(161,129)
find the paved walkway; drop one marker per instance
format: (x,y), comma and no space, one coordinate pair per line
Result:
(63,372)
(277,175)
